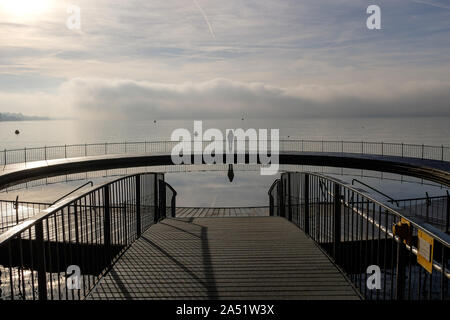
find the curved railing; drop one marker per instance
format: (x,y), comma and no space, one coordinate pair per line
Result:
(13,212)
(434,210)
(358,233)
(62,252)
(422,151)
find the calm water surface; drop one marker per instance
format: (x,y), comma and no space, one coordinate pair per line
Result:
(434,131)
(248,188)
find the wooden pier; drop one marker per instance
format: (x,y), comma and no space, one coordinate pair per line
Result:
(258,257)
(190,212)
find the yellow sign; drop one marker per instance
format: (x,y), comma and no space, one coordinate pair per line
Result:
(425,250)
(403,220)
(402,230)
(408,236)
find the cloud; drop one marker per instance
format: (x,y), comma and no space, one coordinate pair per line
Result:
(225,98)
(206,19)
(433,4)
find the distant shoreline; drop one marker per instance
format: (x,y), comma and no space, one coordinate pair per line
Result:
(20,120)
(4,117)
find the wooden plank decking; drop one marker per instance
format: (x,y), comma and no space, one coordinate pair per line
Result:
(189,212)
(229,258)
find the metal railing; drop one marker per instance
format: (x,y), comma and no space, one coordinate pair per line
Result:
(171,196)
(356,231)
(440,153)
(375,189)
(73,191)
(86,233)
(196,168)
(13,212)
(433,210)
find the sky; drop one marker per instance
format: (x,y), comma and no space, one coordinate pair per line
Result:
(177,59)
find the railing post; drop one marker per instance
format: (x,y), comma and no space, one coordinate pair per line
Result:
(156,215)
(42,273)
(25,154)
(16,206)
(174,204)
(382,148)
(45,153)
(107,223)
(306,200)
(271,205)
(444,279)
(400,272)
(422,150)
(162,199)
(65,151)
(125,227)
(337,222)
(448,214)
(428,203)
(402,149)
(289,197)
(442,152)
(138,205)
(5,156)
(282,197)
(75,217)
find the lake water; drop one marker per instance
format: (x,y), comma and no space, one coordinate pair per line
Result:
(248,188)
(435,131)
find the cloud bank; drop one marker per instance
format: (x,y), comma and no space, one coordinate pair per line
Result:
(225,98)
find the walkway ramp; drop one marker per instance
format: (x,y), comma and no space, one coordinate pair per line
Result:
(190,212)
(228,258)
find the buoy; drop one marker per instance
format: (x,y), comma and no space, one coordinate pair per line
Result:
(17,132)
(154,121)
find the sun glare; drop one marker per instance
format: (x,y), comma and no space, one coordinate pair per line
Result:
(24,7)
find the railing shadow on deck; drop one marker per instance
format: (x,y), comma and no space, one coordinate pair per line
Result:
(87,233)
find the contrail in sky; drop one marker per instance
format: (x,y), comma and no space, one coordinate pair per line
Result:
(206,19)
(434,4)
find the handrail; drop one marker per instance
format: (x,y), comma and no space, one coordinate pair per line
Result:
(285,139)
(171,188)
(437,234)
(442,237)
(68,194)
(273,186)
(116,212)
(439,153)
(173,199)
(344,216)
(14,231)
(374,189)
(25,202)
(422,198)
